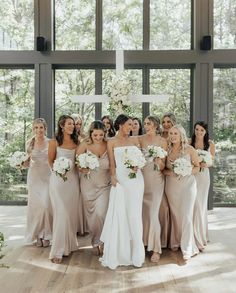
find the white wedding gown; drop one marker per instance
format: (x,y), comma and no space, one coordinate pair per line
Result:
(123,229)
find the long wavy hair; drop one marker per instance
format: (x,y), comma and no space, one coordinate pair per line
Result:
(60,135)
(183,138)
(31,142)
(205,138)
(111,132)
(120,120)
(95,125)
(156,122)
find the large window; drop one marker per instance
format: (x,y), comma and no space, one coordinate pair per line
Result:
(173,87)
(69,83)
(225,136)
(122,24)
(75,25)
(16,116)
(224,24)
(17,25)
(170,24)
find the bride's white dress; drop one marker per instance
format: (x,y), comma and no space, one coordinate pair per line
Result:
(123,229)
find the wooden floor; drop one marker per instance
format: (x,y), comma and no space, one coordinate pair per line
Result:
(30,270)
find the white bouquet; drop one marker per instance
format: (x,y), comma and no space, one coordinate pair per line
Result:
(205,157)
(61,166)
(87,161)
(17,159)
(153,152)
(133,159)
(182,167)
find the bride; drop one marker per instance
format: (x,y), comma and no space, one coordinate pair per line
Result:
(122,231)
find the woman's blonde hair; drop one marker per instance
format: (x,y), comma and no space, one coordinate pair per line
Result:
(183,138)
(95,125)
(30,143)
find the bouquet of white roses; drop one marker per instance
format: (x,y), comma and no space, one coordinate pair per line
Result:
(61,166)
(205,157)
(182,167)
(17,159)
(153,152)
(87,161)
(133,158)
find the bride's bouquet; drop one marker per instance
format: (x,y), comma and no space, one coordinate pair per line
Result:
(61,166)
(17,160)
(182,167)
(153,152)
(133,159)
(87,161)
(205,157)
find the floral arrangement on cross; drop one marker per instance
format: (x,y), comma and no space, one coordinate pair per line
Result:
(119,95)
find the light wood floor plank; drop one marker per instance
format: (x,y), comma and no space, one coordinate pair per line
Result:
(214,270)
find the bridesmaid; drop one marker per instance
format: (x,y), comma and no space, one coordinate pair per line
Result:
(82,221)
(110,130)
(79,126)
(168,120)
(181,193)
(64,194)
(153,188)
(39,218)
(95,189)
(136,127)
(200,141)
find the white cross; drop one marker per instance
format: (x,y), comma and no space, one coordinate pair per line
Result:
(104,98)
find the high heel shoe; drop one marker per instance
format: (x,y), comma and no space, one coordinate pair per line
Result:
(39,242)
(45,242)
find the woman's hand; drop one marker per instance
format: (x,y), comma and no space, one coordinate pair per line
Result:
(84,170)
(114,180)
(168,172)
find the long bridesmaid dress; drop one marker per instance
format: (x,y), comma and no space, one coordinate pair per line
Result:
(181,193)
(39,214)
(164,219)
(153,193)
(95,192)
(64,197)
(200,209)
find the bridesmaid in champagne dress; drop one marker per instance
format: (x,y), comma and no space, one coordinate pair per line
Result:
(95,188)
(64,194)
(200,141)
(110,130)
(82,223)
(153,188)
(39,216)
(181,192)
(168,120)
(123,229)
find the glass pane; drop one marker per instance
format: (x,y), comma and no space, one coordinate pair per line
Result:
(122,24)
(224,24)
(16,116)
(224,184)
(135,77)
(174,86)
(70,83)
(17,25)
(170,24)
(75,24)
